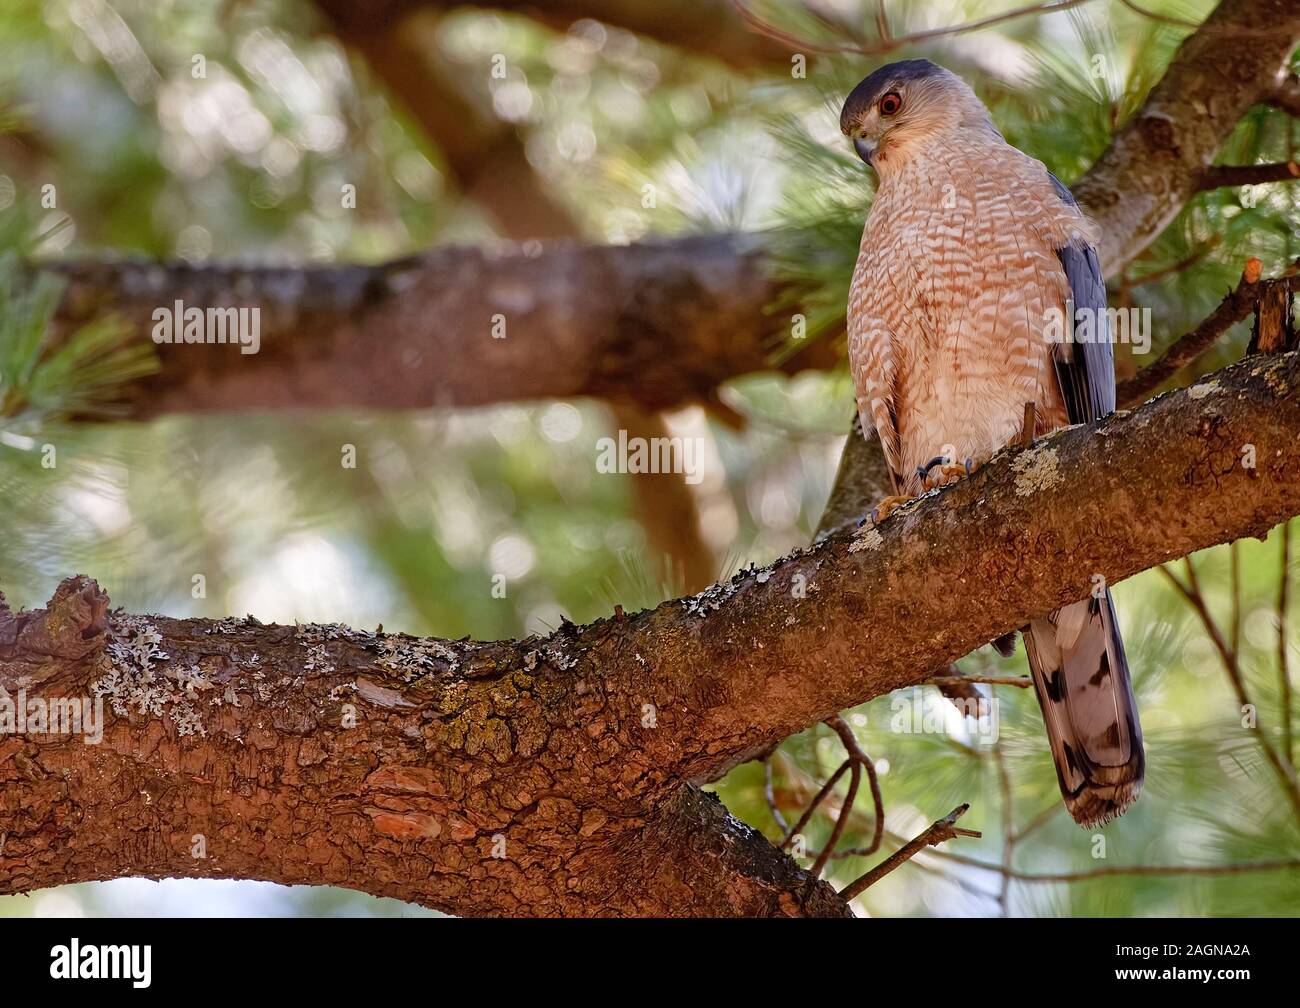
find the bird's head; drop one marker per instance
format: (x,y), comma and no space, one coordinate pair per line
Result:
(908,106)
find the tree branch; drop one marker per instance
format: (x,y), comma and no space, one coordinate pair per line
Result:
(940,831)
(484,155)
(661,323)
(546,776)
(1219,176)
(710,27)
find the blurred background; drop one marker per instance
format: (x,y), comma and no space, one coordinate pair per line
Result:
(99,99)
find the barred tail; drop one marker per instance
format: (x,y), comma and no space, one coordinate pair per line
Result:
(1082,681)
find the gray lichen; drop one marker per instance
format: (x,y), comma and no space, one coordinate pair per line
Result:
(1036,469)
(867,537)
(414,657)
(709,600)
(133,674)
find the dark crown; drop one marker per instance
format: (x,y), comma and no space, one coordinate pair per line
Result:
(862,97)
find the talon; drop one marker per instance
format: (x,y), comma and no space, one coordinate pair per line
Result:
(947,472)
(924,471)
(886,507)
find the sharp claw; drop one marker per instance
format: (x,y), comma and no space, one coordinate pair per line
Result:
(938,460)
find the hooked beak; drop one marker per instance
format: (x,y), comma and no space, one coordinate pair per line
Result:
(866,149)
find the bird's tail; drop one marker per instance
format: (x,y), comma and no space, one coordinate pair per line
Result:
(1081,678)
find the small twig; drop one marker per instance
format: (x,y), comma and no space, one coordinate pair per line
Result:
(941,830)
(957,680)
(841,820)
(1221,176)
(1280,864)
(1281,765)
(856,752)
(818,798)
(1234,587)
(1008,837)
(857,762)
(770,795)
(1029,425)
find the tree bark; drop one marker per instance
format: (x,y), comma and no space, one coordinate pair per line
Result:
(574,759)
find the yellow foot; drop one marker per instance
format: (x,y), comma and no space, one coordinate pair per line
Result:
(886,507)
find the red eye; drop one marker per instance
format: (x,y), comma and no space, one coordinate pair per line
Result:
(890,103)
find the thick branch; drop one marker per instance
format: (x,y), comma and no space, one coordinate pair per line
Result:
(662,323)
(470,781)
(566,757)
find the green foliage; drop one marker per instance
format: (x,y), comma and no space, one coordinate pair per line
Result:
(41,379)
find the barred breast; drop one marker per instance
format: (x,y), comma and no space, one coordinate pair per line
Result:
(955,278)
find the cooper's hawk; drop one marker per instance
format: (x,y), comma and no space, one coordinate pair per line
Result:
(974,256)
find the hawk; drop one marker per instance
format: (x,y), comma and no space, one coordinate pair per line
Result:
(971,251)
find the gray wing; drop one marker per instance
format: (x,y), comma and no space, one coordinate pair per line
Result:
(1086,371)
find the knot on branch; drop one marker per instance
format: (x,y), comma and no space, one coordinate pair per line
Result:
(70,627)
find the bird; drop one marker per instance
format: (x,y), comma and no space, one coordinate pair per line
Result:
(971,249)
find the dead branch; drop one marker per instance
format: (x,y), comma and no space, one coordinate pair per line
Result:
(940,831)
